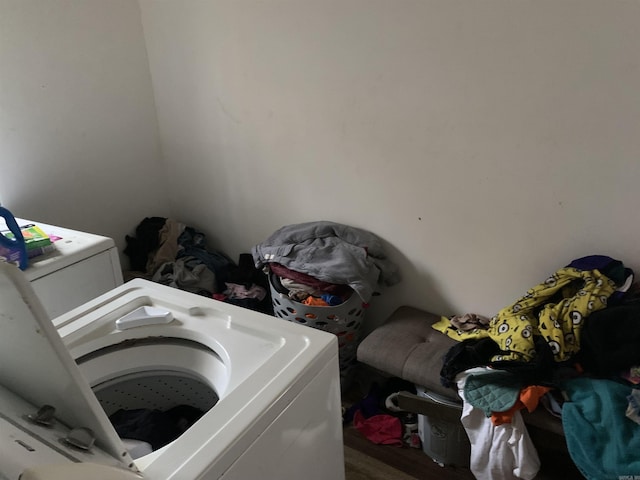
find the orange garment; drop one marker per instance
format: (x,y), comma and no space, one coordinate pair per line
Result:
(529,398)
(315,301)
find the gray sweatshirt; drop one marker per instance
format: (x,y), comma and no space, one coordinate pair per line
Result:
(330,252)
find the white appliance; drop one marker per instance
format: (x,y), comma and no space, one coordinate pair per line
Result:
(82,266)
(270,388)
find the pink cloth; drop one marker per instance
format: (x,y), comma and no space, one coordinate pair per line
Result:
(380,429)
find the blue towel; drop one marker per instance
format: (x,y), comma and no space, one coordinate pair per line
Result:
(603,443)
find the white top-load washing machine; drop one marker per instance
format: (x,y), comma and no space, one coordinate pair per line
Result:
(268,390)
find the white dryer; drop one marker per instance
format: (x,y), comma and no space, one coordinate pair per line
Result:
(268,390)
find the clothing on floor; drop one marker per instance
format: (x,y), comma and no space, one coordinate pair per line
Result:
(167,250)
(380,429)
(236,291)
(186,276)
(144,243)
(246,286)
(192,243)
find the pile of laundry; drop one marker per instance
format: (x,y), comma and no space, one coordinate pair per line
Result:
(571,343)
(306,289)
(148,430)
(167,251)
(246,287)
(323,263)
(379,419)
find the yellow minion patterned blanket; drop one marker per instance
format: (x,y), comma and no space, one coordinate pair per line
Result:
(554,309)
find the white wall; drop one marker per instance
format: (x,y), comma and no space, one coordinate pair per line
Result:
(489,143)
(78,131)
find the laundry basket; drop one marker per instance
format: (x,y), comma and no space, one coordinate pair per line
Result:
(344,320)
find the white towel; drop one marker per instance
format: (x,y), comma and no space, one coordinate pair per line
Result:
(503,452)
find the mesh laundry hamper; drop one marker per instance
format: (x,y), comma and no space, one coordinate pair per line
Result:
(344,321)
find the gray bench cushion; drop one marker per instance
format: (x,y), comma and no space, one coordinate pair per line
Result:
(406,346)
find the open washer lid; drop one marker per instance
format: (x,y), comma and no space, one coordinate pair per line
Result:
(36,365)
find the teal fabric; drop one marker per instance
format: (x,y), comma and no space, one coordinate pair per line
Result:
(492,392)
(603,443)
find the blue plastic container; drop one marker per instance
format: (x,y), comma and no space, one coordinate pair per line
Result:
(13,250)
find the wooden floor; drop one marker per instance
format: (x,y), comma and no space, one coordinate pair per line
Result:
(411,461)
(556,464)
(416,463)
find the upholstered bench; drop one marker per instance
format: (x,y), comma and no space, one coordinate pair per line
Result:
(406,346)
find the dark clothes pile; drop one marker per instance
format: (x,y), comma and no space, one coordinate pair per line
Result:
(378,418)
(192,247)
(166,251)
(473,352)
(578,332)
(155,427)
(145,242)
(610,340)
(247,287)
